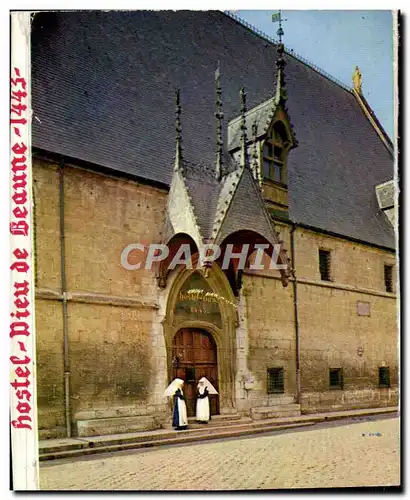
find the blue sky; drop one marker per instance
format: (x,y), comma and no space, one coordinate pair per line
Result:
(336,41)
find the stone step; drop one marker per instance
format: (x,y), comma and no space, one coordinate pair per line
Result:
(52,446)
(73,447)
(221,418)
(275,414)
(264,412)
(114,425)
(178,437)
(216,420)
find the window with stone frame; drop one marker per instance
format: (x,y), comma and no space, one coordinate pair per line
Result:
(276,384)
(275,151)
(388,278)
(325,265)
(384,376)
(335,378)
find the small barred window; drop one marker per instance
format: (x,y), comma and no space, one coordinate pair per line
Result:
(276,380)
(388,278)
(335,378)
(324,265)
(384,376)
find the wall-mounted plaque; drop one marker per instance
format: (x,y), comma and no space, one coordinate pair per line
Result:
(363,308)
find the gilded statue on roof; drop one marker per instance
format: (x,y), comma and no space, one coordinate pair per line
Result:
(357,80)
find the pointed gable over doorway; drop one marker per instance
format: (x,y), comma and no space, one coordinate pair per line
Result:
(241,208)
(215,205)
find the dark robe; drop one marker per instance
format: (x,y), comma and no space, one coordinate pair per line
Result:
(176,417)
(205,394)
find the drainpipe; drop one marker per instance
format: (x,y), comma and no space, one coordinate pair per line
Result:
(64,294)
(296,312)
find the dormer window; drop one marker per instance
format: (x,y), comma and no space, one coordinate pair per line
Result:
(274,154)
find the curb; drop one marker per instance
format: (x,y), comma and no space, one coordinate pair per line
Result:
(91,450)
(87,446)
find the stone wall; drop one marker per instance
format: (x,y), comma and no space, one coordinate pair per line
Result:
(332,334)
(111,310)
(50,368)
(117,352)
(271,334)
(353,264)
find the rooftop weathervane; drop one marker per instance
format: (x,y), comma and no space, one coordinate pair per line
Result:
(278,18)
(280,62)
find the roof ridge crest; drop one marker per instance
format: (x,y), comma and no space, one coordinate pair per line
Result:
(290,52)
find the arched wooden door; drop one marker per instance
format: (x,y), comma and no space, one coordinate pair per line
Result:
(194,356)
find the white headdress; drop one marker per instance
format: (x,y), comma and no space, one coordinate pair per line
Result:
(204,382)
(173,387)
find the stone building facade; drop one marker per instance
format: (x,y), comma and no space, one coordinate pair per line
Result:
(320,335)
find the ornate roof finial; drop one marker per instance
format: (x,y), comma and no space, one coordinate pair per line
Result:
(275,18)
(357,80)
(178,151)
(219,116)
(244,159)
(255,163)
(280,62)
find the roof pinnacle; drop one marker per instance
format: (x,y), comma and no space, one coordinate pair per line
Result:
(275,18)
(244,158)
(178,138)
(219,116)
(255,163)
(281,94)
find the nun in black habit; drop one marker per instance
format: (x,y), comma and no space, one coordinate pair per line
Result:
(179,415)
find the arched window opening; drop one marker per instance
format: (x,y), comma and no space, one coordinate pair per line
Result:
(274,154)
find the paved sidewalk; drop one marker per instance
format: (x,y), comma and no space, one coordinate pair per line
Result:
(57,448)
(356,454)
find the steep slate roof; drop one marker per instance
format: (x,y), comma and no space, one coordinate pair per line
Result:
(247,201)
(211,211)
(204,190)
(103,86)
(261,114)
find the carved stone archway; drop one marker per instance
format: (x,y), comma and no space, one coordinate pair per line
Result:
(223,334)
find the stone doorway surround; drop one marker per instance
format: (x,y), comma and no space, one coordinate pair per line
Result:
(225,336)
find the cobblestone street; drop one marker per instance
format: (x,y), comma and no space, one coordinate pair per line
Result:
(356,454)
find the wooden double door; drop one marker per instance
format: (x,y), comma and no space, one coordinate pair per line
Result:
(194,356)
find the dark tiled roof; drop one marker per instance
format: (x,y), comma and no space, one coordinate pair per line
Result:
(203,188)
(103,92)
(261,114)
(246,210)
